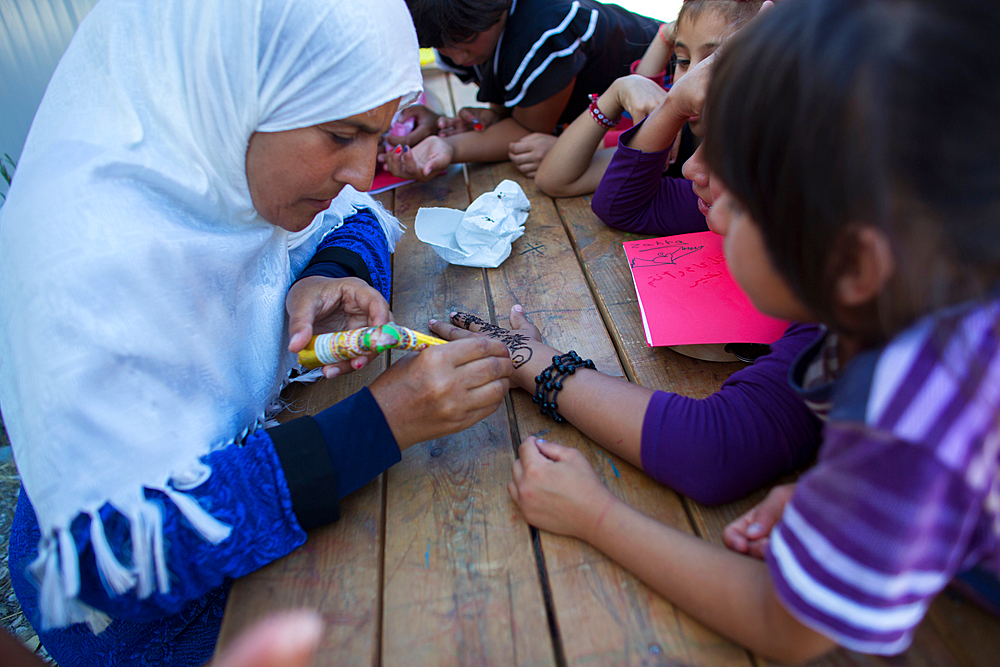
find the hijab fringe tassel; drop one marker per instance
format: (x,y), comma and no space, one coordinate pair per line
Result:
(57,566)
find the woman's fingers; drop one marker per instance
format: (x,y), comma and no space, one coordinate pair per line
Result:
(475,348)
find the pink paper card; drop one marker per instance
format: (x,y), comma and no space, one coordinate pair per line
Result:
(688,297)
(385,181)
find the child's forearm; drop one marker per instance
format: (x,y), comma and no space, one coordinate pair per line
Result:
(490,145)
(660,128)
(728,592)
(573,166)
(607,409)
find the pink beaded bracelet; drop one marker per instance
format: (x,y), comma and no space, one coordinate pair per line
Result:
(598,116)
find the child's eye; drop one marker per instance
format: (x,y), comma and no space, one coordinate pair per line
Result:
(683,64)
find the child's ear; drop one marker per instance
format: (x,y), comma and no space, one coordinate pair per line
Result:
(867,275)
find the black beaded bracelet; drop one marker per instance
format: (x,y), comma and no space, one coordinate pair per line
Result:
(551,380)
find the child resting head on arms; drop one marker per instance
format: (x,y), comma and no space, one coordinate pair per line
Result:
(576,163)
(843,195)
(535,62)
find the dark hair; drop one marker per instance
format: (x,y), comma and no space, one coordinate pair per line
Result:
(828,115)
(735,12)
(442,23)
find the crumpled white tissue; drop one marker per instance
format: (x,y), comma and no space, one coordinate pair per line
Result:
(480,236)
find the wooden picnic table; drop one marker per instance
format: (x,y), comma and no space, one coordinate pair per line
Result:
(432,564)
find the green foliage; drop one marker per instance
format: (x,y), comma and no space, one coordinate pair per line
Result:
(6,173)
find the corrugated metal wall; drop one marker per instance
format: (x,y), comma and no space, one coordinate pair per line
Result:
(33,36)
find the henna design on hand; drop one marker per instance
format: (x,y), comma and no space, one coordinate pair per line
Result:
(517,344)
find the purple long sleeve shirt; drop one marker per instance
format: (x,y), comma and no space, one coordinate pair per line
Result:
(756,427)
(635,195)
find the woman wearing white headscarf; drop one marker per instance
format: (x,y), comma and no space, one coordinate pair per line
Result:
(177,179)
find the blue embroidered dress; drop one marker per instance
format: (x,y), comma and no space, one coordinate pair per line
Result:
(279,483)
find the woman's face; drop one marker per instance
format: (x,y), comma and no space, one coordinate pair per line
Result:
(294,175)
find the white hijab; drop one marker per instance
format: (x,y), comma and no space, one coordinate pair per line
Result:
(142,295)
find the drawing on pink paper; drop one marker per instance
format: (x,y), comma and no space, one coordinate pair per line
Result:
(688,297)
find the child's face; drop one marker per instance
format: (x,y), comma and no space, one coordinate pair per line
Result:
(697,39)
(477,50)
(696,171)
(746,255)
(748,259)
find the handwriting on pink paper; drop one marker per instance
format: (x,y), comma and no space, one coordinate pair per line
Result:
(687,295)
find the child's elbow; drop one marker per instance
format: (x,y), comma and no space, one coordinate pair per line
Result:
(552,185)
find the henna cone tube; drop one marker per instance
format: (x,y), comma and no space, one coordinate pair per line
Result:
(343,345)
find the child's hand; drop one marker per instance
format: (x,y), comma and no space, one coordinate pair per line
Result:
(519,339)
(426,125)
(637,95)
(528,153)
(556,489)
(687,96)
(750,534)
(420,163)
(464,325)
(469,119)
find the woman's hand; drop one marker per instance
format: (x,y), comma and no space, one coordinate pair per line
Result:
(443,389)
(420,163)
(528,153)
(426,124)
(750,534)
(468,119)
(319,305)
(519,339)
(556,489)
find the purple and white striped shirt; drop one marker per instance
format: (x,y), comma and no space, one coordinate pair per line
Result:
(906,491)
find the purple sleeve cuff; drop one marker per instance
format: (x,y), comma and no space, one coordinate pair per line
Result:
(753,430)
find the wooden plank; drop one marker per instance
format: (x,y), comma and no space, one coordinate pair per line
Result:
(461,583)
(337,571)
(437,90)
(971,633)
(605,615)
(600,249)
